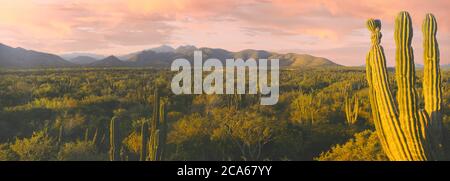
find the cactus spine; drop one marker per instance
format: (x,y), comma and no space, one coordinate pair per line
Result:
(114,140)
(351,113)
(158,129)
(404,130)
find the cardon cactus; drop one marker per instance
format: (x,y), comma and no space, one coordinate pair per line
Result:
(114,140)
(351,110)
(405,131)
(158,129)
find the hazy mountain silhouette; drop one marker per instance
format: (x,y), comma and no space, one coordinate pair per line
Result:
(111,61)
(163,49)
(21,58)
(69,56)
(161,56)
(160,49)
(83,60)
(290,60)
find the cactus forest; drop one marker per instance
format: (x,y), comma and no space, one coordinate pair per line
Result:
(370,112)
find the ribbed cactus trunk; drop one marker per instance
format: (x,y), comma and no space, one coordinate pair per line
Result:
(114,140)
(158,129)
(144,137)
(404,130)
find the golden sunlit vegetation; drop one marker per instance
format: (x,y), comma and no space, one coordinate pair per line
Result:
(69,114)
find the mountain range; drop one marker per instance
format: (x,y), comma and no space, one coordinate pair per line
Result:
(22,58)
(160,57)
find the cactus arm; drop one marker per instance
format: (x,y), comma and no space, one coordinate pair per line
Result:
(355,109)
(375,114)
(407,95)
(432,76)
(347,110)
(112,140)
(432,82)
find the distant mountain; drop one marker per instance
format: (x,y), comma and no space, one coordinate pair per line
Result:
(82,60)
(111,61)
(185,49)
(160,49)
(161,56)
(21,58)
(292,60)
(164,59)
(69,56)
(151,58)
(163,49)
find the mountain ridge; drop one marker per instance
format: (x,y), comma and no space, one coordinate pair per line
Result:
(83,60)
(290,60)
(22,58)
(110,61)
(160,57)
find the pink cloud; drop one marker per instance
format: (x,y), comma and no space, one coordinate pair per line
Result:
(331,28)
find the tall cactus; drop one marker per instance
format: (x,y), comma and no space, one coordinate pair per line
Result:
(405,131)
(114,140)
(158,129)
(144,137)
(351,110)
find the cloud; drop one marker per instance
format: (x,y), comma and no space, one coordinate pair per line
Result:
(332,28)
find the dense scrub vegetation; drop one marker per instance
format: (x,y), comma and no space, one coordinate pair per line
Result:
(66,115)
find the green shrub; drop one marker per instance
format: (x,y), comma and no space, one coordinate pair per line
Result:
(6,154)
(37,148)
(364,147)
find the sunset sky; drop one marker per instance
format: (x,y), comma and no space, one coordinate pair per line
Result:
(334,29)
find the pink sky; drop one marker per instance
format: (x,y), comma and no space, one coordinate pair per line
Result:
(334,29)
